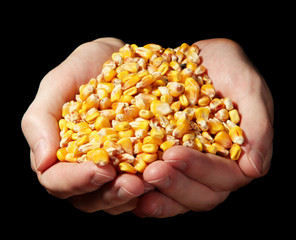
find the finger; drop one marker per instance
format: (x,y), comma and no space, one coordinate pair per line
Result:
(171,182)
(158,205)
(218,173)
(61,84)
(122,190)
(64,179)
(234,76)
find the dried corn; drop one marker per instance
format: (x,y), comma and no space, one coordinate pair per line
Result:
(145,101)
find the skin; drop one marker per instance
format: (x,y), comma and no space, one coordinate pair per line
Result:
(160,192)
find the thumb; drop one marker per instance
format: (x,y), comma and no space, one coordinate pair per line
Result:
(41,132)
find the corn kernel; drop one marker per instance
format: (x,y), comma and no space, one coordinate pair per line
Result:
(144,101)
(236,135)
(235,151)
(98,156)
(150,148)
(234,116)
(127,167)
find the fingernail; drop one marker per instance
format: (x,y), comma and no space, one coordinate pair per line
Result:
(162,182)
(156,212)
(39,151)
(124,194)
(256,159)
(100,179)
(178,164)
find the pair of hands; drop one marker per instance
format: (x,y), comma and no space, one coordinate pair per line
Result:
(186,179)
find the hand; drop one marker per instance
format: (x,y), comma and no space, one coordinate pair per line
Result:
(191,180)
(88,186)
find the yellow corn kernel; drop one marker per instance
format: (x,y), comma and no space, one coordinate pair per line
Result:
(116,93)
(141,103)
(122,126)
(112,137)
(234,116)
(61,154)
(71,158)
(216,104)
(167,144)
(174,76)
(183,100)
(147,157)
(157,132)
(210,148)
(102,93)
(143,52)
(188,137)
(236,135)
(198,144)
(215,126)
(191,65)
(147,80)
(105,103)
(223,139)
(146,114)
(126,145)
(200,70)
(98,156)
(73,148)
(126,133)
(91,102)
(132,111)
(175,106)
(122,75)
(132,67)
(143,124)
(208,89)
(83,140)
(175,66)
(85,91)
(141,133)
(151,139)
(117,58)
(203,100)
(127,167)
(109,113)
(235,151)
(131,91)
(150,148)
(102,122)
(139,165)
(126,99)
(161,108)
(220,149)
(154,47)
(127,51)
(108,73)
(92,115)
(167,98)
(175,88)
(138,147)
(132,81)
(163,68)
(180,130)
(106,131)
(228,103)
(222,115)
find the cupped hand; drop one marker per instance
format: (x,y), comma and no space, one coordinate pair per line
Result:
(191,180)
(89,187)
(186,179)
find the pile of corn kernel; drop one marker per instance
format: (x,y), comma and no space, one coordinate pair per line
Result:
(144,101)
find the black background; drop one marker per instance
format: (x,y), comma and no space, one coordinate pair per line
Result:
(41,37)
